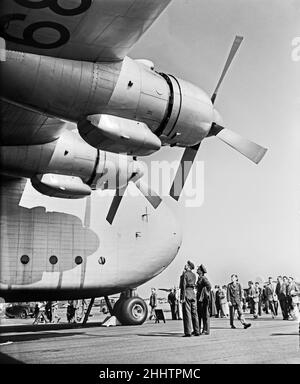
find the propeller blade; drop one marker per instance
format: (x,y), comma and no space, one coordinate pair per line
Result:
(251,150)
(153,198)
(183,170)
(115,204)
(235,46)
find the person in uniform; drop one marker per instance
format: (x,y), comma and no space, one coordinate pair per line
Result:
(188,300)
(203,298)
(234,298)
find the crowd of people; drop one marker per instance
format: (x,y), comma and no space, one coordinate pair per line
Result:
(195,301)
(268,298)
(47,312)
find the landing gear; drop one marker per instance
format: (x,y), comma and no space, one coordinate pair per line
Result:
(130,309)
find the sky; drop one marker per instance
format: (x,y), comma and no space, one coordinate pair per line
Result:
(249,221)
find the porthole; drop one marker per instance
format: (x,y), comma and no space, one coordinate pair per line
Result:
(53,259)
(78,260)
(101,260)
(24,259)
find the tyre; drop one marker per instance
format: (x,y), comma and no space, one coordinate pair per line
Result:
(132,311)
(22,314)
(116,308)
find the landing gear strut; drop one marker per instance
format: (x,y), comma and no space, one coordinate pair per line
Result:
(130,309)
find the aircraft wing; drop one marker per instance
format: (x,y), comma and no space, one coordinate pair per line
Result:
(23,127)
(89,30)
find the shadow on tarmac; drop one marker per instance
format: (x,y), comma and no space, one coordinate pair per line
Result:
(32,337)
(45,327)
(285,334)
(4,359)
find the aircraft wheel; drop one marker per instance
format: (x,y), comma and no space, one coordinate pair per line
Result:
(117,307)
(132,311)
(22,314)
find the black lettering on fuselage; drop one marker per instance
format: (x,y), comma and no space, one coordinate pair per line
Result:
(28,33)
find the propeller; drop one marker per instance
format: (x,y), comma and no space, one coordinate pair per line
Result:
(153,198)
(251,150)
(115,204)
(235,46)
(183,170)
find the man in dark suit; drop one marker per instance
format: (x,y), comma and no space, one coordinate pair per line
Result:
(234,298)
(172,302)
(152,303)
(188,299)
(259,297)
(203,299)
(281,291)
(253,295)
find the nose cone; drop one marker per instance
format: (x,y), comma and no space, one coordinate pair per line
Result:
(217,118)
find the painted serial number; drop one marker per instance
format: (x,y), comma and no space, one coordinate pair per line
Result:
(28,33)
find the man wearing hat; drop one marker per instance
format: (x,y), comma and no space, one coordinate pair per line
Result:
(203,299)
(188,299)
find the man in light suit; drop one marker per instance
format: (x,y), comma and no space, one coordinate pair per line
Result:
(271,297)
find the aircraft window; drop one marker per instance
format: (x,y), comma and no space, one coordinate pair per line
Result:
(53,259)
(24,259)
(78,260)
(101,260)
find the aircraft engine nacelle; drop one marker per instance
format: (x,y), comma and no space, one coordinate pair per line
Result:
(119,135)
(69,167)
(176,111)
(189,116)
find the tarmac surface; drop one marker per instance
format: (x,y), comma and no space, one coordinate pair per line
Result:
(268,340)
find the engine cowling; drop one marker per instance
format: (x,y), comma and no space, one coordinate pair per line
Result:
(189,116)
(66,187)
(176,111)
(119,135)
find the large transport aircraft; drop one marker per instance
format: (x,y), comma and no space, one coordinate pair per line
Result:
(66,61)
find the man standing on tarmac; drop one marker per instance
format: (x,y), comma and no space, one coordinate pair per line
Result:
(152,303)
(203,299)
(234,298)
(188,300)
